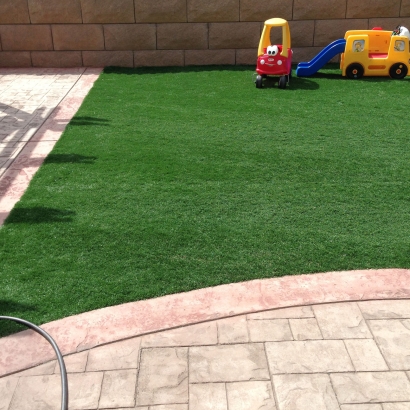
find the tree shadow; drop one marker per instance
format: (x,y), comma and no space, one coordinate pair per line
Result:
(39,214)
(86,120)
(69,159)
(10,306)
(14,309)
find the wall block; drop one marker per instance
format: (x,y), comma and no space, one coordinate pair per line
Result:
(389,23)
(55,11)
(107,11)
(188,36)
(234,35)
(302,33)
(327,31)
(159,58)
(261,10)
(71,37)
(405,8)
(319,9)
(130,36)
(160,11)
(246,56)
(56,58)
(209,57)
(304,53)
(14,12)
(26,37)
(108,58)
(15,59)
(213,10)
(372,8)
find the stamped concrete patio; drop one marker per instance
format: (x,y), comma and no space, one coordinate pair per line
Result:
(333,341)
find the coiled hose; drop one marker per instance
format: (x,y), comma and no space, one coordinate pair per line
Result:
(63,371)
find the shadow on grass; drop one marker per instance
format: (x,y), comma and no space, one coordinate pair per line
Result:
(39,214)
(84,120)
(11,306)
(296,83)
(69,158)
(13,309)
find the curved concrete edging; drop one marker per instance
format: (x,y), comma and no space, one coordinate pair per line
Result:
(91,329)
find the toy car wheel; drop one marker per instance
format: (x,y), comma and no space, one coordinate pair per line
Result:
(398,71)
(354,71)
(258,81)
(282,81)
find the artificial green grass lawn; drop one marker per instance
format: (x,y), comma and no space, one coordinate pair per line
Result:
(169,180)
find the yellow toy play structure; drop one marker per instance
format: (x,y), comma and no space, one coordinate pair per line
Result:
(376,53)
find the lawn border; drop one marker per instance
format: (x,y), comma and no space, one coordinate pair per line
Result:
(88,330)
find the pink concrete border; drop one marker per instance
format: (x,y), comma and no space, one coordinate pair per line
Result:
(16,179)
(87,330)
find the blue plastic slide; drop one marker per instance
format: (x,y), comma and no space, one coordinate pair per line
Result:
(313,66)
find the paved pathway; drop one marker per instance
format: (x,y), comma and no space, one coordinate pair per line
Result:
(334,341)
(35,107)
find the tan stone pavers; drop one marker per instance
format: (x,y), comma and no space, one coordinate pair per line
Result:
(341,320)
(311,356)
(370,387)
(163,407)
(7,387)
(300,391)
(214,371)
(269,330)
(209,396)
(88,330)
(305,329)
(228,363)
(233,330)
(120,355)
(253,395)
(393,338)
(394,406)
(43,392)
(385,309)
(74,363)
(163,376)
(118,389)
(365,355)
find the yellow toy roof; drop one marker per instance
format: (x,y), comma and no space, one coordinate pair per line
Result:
(275,22)
(265,37)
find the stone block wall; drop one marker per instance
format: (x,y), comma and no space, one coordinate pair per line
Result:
(132,33)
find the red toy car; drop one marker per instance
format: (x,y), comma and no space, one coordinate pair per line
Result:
(274,60)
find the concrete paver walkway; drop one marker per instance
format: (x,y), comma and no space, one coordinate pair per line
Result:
(230,347)
(334,341)
(35,106)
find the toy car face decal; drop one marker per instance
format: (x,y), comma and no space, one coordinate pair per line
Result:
(272,50)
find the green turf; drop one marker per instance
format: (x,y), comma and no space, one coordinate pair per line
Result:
(169,180)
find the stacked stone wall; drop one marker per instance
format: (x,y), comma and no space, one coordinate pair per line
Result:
(132,33)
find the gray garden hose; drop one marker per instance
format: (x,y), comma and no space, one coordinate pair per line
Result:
(63,371)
